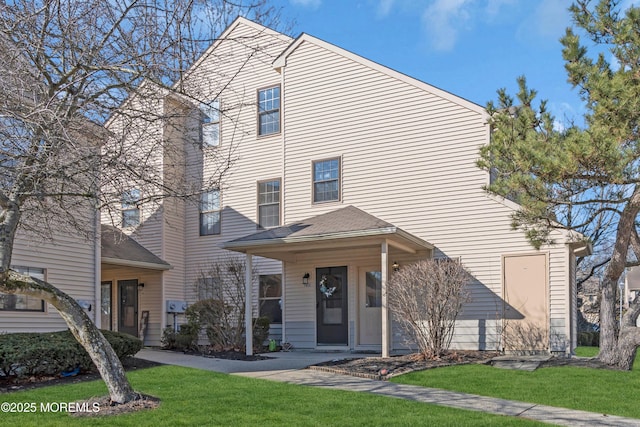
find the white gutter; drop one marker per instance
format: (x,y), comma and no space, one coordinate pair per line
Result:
(138,264)
(328,236)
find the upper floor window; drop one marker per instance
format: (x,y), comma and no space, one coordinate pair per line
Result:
(269,110)
(13,302)
(210,126)
(269,203)
(131,208)
(326,180)
(210,212)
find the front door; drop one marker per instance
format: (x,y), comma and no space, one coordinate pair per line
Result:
(370,306)
(332,307)
(128,306)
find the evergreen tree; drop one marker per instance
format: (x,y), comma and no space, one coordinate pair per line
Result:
(581,178)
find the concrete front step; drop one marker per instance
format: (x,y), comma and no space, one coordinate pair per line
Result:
(522,363)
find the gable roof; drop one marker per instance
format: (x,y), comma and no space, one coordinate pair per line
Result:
(120,249)
(281,61)
(339,225)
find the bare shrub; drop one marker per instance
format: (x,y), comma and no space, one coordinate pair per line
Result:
(426,298)
(220,289)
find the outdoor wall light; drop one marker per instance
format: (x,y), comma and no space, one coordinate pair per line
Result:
(140,285)
(395,266)
(305,279)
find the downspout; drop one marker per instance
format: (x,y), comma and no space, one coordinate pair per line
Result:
(283,189)
(97,251)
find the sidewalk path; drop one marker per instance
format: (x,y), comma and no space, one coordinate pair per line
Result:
(288,367)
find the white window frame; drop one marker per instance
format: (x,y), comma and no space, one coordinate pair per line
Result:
(322,180)
(262,298)
(267,108)
(131,205)
(210,124)
(269,194)
(35,272)
(207,210)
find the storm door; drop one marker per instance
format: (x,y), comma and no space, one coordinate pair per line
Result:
(332,308)
(128,306)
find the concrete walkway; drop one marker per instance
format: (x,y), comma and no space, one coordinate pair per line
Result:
(289,367)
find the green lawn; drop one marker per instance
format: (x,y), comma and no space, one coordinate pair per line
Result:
(595,390)
(191,397)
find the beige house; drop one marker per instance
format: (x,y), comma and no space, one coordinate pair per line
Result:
(343,170)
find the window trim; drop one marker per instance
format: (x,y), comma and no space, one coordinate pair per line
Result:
(217,123)
(136,207)
(258,225)
(42,302)
(258,113)
(313,181)
(201,212)
(279,298)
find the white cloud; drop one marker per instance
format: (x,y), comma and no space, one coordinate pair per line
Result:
(312,4)
(444,19)
(493,6)
(548,20)
(384,7)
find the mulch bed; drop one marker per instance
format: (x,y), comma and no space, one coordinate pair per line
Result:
(8,385)
(379,368)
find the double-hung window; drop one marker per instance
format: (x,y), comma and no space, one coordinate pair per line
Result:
(269,203)
(210,212)
(271,297)
(326,180)
(131,208)
(210,126)
(269,110)
(14,302)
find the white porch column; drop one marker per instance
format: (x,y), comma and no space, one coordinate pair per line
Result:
(384,269)
(248,304)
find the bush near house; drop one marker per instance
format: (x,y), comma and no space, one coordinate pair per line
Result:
(51,353)
(213,316)
(426,298)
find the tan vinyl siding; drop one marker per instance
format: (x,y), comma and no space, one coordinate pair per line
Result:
(254,158)
(408,157)
(69,265)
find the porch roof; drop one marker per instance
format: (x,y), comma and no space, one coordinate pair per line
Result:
(348,227)
(120,249)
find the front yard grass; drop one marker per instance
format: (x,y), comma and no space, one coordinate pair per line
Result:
(192,397)
(594,390)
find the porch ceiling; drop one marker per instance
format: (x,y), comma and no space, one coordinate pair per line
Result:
(345,228)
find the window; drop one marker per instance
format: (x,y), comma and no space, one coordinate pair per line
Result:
(271,297)
(269,110)
(131,208)
(12,302)
(269,203)
(210,126)
(210,213)
(208,288)
(326,180)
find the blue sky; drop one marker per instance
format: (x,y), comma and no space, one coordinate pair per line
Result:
(467,47)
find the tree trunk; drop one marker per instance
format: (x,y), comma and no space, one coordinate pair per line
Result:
(82,327)
(608,327)
(629,337)
(613,350)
